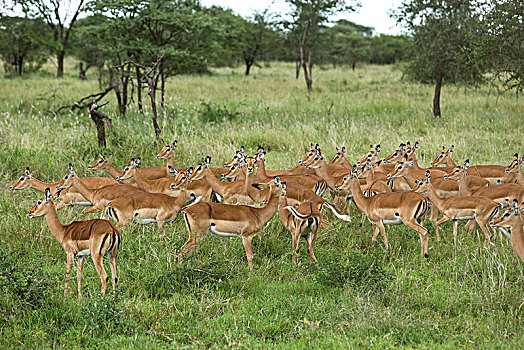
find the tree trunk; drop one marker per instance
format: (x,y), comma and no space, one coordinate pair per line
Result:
(82,71)
(100,77)
(139,89)
(162,91)
(298,65)
(436,98)
(113,81)
(353,65)
(60,60)
(151,93)
(308,66)
(100,127)
(20,66)
(249,63)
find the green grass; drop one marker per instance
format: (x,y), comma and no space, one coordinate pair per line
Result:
(355,296)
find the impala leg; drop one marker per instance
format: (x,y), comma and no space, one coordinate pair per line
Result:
(91,210)
(434,213)
(68,270)
(196,233)
(112,266)
(249,251)
(485,230)
(362,221)
(424,237)
(455,227)
(296,243)
(348,205)
(376,231)
(470,226)
(79,269)
(380,226)
(98,260)
(441,221)
(311,239)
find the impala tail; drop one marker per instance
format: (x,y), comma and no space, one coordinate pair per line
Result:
(296,213)
(421,211)
(336,213)
(111,213)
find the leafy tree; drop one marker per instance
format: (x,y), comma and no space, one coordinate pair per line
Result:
(388,49)
(23,42)
(502,42)
(443,33)
(308,17)
(61,17)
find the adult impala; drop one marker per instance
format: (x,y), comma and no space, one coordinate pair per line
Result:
(511,219)
(97,237)
(230,220)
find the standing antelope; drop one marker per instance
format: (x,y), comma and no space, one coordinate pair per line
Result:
(511,219)
(480,209)
(97,237)
(99,197)
(230,220)
(303,221)
(340,158)
(392,208)
(145,208)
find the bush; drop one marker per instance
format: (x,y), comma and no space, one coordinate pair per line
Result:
(211,112)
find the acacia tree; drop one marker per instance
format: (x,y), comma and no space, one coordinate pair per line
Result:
(308,16)
(60,16)
(443,34)
(502,42)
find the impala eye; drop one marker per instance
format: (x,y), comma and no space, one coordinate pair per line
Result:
(21,179)
(65,177)
(440,156)
(345,178)
(506,215)
(39,202)
(100,161)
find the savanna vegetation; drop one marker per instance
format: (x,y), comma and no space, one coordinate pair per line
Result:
(356,295)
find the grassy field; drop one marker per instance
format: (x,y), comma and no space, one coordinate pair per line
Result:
(355,296)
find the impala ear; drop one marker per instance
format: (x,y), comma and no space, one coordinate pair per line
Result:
(27,172)
(284,186)
(415,146)
(241,150)
(277,181)
(164,143)
(207,161)
(428,175)
(353,170)
(47,195)
(174,143)
(521,160)
(343,150)
(451,148)
(70,167)
(466,164)
(190,170)
(515,206)
(377,148)
(418,182)
(172,170)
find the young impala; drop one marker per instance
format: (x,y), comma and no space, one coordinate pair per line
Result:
(97,237)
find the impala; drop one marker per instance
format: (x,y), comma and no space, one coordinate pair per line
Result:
(68,197)
(513,173)
(511,219)
(340,158)
(444,158)
(98,197)
(374,158)
(392,208)
(303,221)
(145,208)
(95,237)
(478,208)
(230,220)
(163,185)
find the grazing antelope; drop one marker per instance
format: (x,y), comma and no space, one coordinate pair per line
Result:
(478,208)
(67,197)
(511,219)
(230,220)
(96,237)
(392,208)
(98,197)
(163,185)
(303,221)
(145,208)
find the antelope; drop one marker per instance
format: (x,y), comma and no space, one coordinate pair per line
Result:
(303,221)
(98,197)
(145,208)
(232,192)
(444,158)
(399,153)
(68,197)
(313,182)
(392,208)
(378,179)
(230,220)
(513,173)
(512,220)
(96,237)
(340,158)
(478,208)
(503,193)
(162,185)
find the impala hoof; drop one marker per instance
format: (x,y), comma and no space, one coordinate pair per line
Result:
(426,256)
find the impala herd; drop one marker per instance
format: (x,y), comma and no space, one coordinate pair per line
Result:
(390,191)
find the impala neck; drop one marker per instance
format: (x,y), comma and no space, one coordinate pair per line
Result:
(267,212)
(171,160)
(41,186)
(216,185)
(449,162)
(517,240)
(261,170)
(142,181)
(433,196)
(55,226)
(85,191)
(253,193)
(410,179)
(361,201)
(464,186)
(111,170)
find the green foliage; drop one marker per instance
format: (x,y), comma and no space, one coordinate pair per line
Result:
(211,112)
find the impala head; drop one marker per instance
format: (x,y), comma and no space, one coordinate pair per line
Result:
(200,171)
(67,180)
(372,155)
(99,164)
(283,193)
(233,173)
(42,205)
(341,152)
(444,154)
(401,169)
(316,160)
(510,218)
(309,155)
(344,183)
(129,170)
(422,186)
(180,179)
(23,181)
(514,165)
(249,163)
(167,150)
(274,184)
(456,173)
(234,160)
